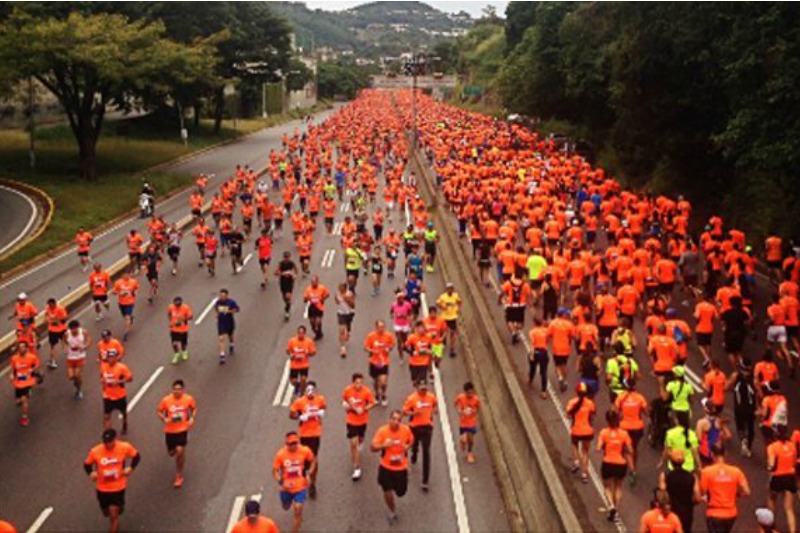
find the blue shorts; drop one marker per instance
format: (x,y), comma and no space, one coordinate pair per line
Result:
(287,498)
(473,431)
(126,310)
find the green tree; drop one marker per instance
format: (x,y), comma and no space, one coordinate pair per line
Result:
(341,80)
(297,75)
(90,61)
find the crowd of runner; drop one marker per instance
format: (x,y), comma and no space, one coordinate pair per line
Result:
(578,264)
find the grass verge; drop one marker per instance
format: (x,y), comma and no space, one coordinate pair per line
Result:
(126,148)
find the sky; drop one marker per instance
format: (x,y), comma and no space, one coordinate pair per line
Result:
(472,7)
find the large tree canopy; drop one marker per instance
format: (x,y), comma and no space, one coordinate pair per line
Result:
(90,60)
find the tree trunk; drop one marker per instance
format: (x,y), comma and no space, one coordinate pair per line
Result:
(87,153)
(197,108)
(219,108)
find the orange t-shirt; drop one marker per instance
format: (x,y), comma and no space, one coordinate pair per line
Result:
(654,521)
(112,345)
(311,407)
(126,291)
(179,317)
(631,405)
(99,282)
(379,345)
(114,379)
(262,525)
(316,296)
(785,454)
(420,408)
(705,313)
(582,418)
(178,412)
(538,336)
(613,443)
(394,457)
(468,408)
(561,332)
(721,483)
(56,318)
(109,465)
(361,398)
(22,368)
(292,467)
(666,352)
(300,351)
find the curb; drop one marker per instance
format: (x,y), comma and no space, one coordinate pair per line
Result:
(519,452)
(45,202)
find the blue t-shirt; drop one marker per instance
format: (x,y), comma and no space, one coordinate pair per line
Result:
(225,309)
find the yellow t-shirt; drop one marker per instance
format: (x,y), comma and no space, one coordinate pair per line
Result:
(448,306)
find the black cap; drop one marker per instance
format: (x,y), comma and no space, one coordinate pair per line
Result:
(252,508)
(109,435)
(106,333)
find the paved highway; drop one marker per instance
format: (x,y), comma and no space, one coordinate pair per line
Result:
(18,214)
(239,428)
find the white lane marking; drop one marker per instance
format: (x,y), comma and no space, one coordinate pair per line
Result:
(282,385)
(247,259)
(31,220)
(287,396)
(327,261)
(449,446)
(408,214)
(694,379)
(337,228)
(346,207)
(325,257)
(236,512)
(256,497)
(598,485)
(144,388)
(40,520)
(205,311)
(305,311)
(5,371)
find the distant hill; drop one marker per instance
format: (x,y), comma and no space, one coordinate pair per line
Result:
(374,29)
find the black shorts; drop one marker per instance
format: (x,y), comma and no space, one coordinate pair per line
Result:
(345,319)
(109,406)
(135,258)
(375,371)
(393,480)
(536,284)
(605,332)
(109,499)
(635,435)
(152,275)
(613,471)
(264,261)
(312,442)
(666,288)
(356,431)
(704,339)
(54,337)
(278,223)
(774,264)
(296,373)
(329,221)
(418,372)
(792,331)
(734,345)
(353,273)
(314,311)
(690,280)
(175,440)
(287,285)
(784,483)
(22,392)
(575,439)
(560,360)
(102,298)
(181,337)
(173,252)
(83,254)
(226,331)
(452,325)
(515,314)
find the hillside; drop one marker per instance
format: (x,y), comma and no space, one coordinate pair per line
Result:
(375,29)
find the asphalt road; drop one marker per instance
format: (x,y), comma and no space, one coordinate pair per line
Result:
(238,428)
(17,216)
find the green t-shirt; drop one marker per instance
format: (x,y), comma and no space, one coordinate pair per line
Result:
(614,368)
(536,266)
(676,439)
(352,259)
(682,393)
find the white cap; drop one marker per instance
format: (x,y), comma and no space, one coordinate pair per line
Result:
(765,517)
(22,296)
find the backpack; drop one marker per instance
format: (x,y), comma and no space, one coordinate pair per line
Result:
(678,334)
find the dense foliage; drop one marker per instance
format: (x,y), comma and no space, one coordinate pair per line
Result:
(700,98)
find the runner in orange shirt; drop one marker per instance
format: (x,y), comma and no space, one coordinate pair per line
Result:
(56,316)
(126,288)
(538,358)
(357,400)
(581,412)
(83,239)
(24,376)
(177,411)
(179,315)
(617,448)
(393,441)
(561,332)
(309,409)
(292,467)
(781,463)
(705,313)
(100,285)
(379,344)
(515,295)
(315,296)
(720,484)
(253,522)
(660,519)
(109,465)
(113,377)
(420,407)
(299,349)
(468,405)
